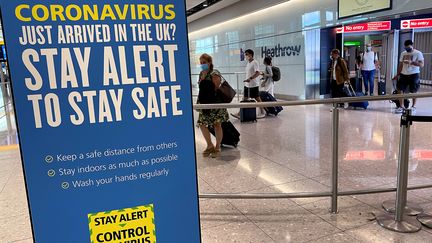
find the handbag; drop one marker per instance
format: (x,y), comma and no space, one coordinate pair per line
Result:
(225,92)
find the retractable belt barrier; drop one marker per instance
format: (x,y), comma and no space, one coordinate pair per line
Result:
(312,102)
(399,211)
(398,222)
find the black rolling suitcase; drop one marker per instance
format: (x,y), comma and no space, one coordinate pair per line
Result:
(231,136)
(248,114)
(267,97)
(381,88)
(354,83)
(361,104)
(349,92)
(381,84)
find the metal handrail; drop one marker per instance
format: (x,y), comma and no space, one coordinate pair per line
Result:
(303,194)
(232,73)
(334,193)
(312,102)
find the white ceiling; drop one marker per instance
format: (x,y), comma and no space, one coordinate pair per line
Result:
(211,9)
(192,3)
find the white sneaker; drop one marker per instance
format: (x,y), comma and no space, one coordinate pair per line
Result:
(399,110)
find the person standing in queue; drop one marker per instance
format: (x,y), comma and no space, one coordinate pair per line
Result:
(209,81)
(252,81)
(411,60)
(369,61)
(339,74)
(267,84)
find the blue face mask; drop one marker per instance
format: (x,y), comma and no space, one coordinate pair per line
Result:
(204,67)
(408,49)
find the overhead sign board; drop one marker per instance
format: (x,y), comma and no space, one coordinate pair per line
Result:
(104,113)
(376,42)
(352,43)
(416,24)
(365,27)
(349,8)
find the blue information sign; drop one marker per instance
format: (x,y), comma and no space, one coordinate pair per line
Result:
(104,111)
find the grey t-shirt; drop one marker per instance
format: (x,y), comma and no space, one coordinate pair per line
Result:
(412,56)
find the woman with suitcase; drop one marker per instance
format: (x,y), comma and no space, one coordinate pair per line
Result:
(209,82)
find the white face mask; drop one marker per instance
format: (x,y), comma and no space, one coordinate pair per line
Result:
(369,48)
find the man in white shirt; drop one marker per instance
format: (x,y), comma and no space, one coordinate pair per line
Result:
(410,62)
(252,81)
(369,60)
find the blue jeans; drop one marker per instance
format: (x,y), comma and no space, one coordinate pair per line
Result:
(369,80)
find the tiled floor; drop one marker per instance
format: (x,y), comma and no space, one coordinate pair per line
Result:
(288,153)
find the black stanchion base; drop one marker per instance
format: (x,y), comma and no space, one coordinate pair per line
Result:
(407,225)
(331,211)
(425,219)
(411,209)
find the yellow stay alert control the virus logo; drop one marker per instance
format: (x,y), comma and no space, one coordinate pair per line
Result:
(129,225)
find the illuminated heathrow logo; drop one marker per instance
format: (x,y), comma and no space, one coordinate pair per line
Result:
(281,51)
(362,2)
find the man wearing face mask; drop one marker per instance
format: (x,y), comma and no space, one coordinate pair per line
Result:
(411,61)
(369,60)
(252,82)
(339,74)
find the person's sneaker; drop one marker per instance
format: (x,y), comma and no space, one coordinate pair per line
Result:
(399,110)
(413,110)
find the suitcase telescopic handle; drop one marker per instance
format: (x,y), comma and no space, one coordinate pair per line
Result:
(350,88)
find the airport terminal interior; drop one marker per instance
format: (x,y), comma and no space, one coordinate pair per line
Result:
(292,153)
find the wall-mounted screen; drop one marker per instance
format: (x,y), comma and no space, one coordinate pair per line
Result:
(349,8)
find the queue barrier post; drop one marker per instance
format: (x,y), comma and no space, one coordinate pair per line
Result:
(399,222)
(335,158)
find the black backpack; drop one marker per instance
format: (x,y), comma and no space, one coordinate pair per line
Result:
(276,74)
